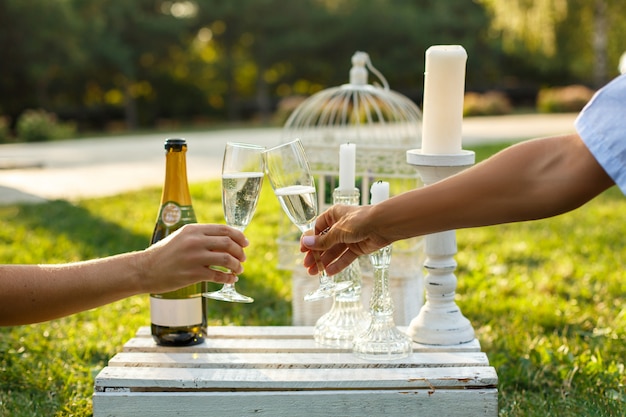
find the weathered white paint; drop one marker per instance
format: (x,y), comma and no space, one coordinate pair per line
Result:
(353,403)
(440,321)
(280,371)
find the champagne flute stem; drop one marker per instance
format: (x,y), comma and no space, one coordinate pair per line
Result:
(321,270)
(320,267)
(327,285)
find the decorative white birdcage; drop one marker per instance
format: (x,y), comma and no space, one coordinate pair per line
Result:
(383,124)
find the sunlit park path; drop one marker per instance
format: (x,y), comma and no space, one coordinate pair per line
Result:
(107,166)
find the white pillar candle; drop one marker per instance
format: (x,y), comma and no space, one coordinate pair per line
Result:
(379,192)
(444,88)
(347,166)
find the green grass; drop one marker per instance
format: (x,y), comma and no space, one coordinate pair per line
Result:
(547,300)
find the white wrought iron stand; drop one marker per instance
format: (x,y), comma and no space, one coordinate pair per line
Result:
(440,321)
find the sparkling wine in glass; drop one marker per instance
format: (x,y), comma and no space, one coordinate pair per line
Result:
(287,168)
(242,177)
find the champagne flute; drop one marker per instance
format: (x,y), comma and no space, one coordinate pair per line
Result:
(287,168)
(242,177)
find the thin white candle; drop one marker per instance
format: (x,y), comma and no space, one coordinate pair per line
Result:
(347,166)
(444,88)
(379,192)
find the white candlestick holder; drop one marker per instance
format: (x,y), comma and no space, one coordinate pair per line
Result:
(440,321)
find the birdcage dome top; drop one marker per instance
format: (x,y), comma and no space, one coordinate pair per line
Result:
(374,117)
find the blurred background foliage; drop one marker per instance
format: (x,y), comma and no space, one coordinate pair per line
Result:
(106,65)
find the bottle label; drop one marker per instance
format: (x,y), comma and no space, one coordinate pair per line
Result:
(176,313)
(173,214)
(170,214)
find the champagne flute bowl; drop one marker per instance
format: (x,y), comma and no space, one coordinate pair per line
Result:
(287,168)
(242,177)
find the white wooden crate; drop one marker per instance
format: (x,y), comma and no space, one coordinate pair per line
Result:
(281,371)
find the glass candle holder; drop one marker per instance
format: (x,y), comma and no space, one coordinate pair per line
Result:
(382,340)
(347,316)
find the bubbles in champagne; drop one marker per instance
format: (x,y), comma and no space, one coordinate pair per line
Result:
(240,194)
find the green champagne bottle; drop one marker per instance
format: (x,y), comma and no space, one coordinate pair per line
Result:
(178,318)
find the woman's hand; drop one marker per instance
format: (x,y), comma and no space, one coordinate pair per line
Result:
(195,252)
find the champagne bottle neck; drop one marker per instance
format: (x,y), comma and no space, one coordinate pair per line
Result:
(176,187)
(176,209)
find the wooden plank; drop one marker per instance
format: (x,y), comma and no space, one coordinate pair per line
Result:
(449,403)
(200,379)
(237,345)
(267,338)
(293,360)
(273,332)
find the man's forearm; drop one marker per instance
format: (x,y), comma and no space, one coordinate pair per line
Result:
(532,180)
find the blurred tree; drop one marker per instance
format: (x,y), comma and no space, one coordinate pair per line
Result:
(39,41)
(185,58)
(126,41)
(275,48)
(540,25)
(531,21)
(259,43)
(150,60)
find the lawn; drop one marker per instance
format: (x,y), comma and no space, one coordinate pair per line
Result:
(547,300)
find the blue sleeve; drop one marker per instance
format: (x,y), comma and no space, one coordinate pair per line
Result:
(602,127)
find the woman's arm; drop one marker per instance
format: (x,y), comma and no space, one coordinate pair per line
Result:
(35,293)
